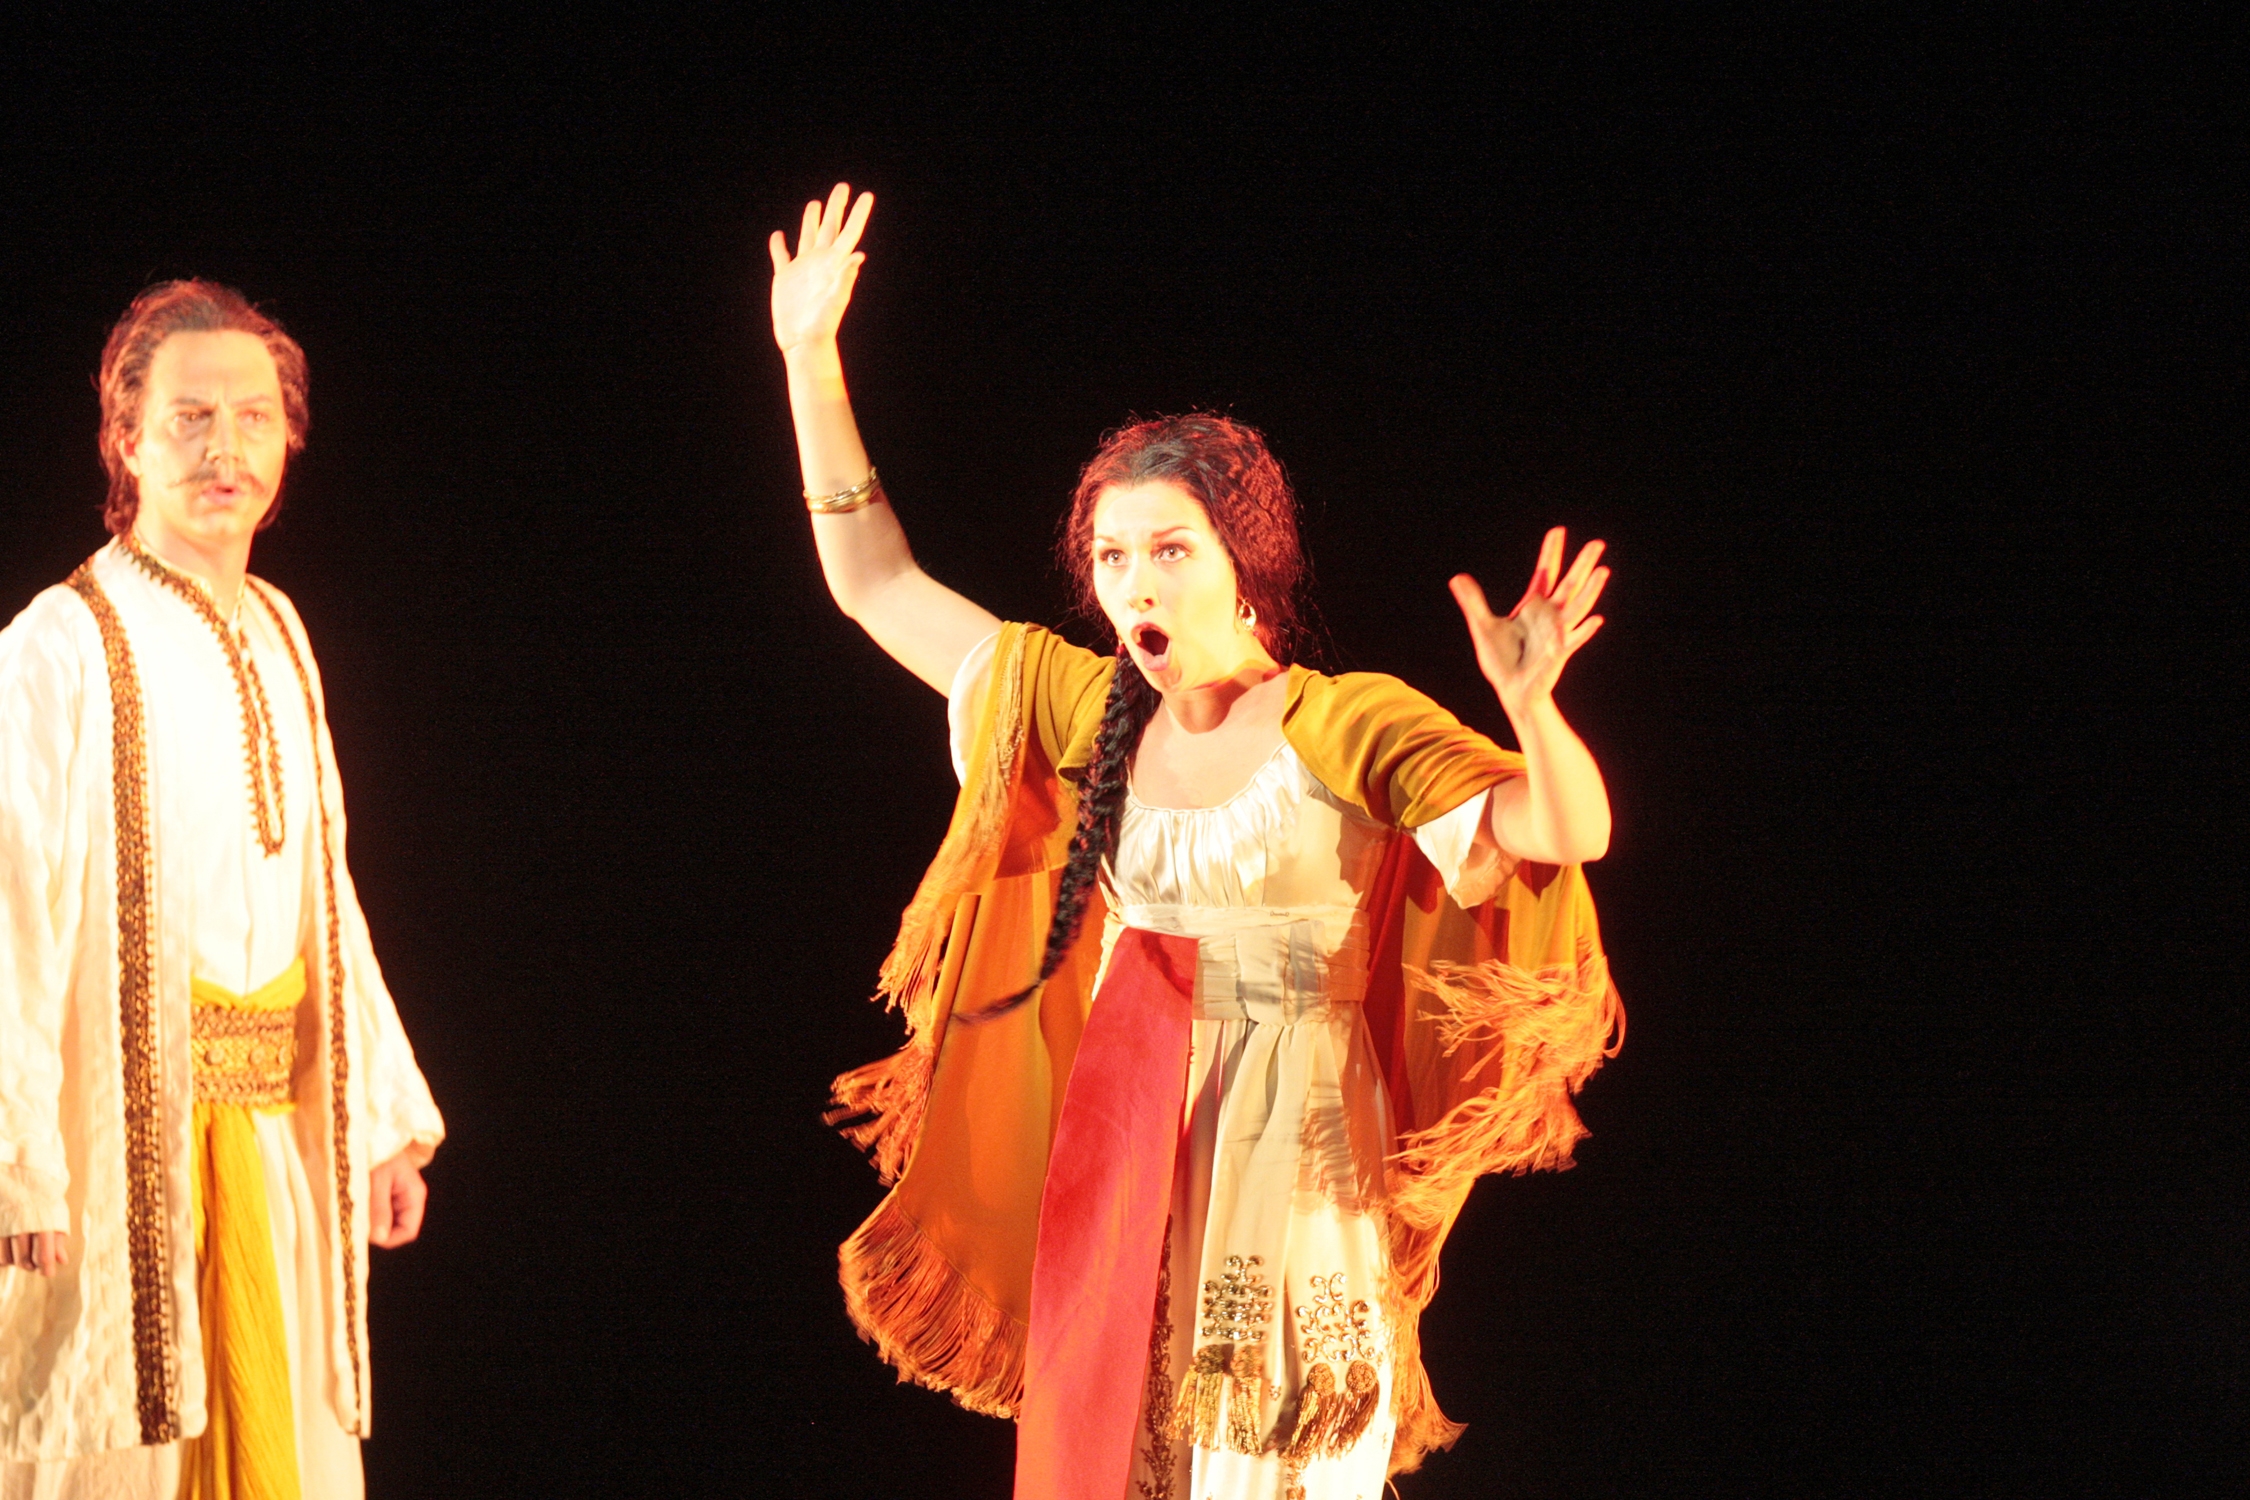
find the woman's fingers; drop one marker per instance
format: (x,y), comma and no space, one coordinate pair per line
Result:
(1549,567)
(1580,601)
(1575,579)
(1469,594)
(826,224)
(1584,632)
(832,218)
(856,225)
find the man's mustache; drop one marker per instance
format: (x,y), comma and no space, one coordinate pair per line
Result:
(209,474)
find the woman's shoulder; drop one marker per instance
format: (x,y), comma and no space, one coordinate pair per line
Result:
(1389,747)
(1360,698)
(1064,689)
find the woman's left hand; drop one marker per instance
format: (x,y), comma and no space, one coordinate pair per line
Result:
(1522,653)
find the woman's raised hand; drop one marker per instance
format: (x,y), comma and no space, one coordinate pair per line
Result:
(812,287)
(1522,653)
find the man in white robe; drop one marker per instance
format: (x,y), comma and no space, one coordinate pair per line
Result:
(187,988)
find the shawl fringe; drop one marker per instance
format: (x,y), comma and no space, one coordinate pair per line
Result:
(1549,1029)
(879,1107)
(1421,1426)
(926,1320)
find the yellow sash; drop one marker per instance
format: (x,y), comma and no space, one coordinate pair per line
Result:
(245,1050)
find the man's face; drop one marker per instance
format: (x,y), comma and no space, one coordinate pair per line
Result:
(213,439)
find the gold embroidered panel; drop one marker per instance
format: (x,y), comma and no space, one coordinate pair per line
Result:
(243,1056)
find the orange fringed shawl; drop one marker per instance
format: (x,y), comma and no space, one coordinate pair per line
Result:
(1486,1020)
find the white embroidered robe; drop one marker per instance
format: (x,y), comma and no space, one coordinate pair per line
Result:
(115,890)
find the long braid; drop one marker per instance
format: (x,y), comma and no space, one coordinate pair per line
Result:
(1101,798)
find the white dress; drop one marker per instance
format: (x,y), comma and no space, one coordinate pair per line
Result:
(1286,1125)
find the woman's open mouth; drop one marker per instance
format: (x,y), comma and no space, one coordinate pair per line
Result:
(1154,645)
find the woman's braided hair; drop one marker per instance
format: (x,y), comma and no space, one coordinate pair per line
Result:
(1227,467)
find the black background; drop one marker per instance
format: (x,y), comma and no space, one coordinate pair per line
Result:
(1894,358)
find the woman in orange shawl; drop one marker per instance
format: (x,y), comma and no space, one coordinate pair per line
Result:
(1170,1185)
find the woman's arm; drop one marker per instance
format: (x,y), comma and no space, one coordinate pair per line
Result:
(925,626)
(1558,812)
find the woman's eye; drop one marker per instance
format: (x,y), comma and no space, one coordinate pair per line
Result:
(1171,551)
(255,418)
(1109,557)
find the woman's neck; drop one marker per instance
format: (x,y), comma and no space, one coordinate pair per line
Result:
(1199,710)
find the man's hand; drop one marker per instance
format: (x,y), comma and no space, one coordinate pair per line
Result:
(42,1253)
(395,1195)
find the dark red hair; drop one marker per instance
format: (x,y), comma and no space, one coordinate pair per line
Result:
(156,314)
(1226,465)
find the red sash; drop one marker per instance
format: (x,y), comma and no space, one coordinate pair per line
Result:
(1102,1212)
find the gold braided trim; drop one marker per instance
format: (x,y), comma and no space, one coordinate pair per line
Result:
(154,1380)
(266,805)
(245,1046)
(339,1061)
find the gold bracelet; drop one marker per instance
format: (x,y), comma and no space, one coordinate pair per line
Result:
(859,495)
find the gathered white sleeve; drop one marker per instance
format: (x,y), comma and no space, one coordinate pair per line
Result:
(41,684)
(970,680)
(1469,859)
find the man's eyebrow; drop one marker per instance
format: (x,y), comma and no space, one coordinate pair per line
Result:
(255,396)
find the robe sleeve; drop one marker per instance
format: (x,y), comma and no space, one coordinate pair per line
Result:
(42,684)
(401,1115)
